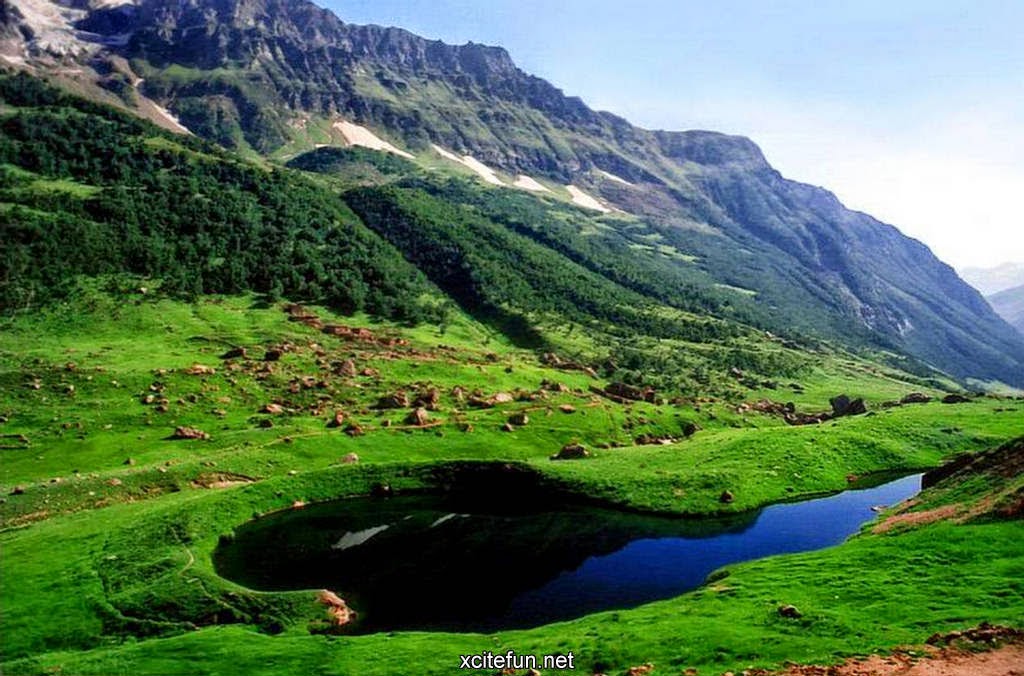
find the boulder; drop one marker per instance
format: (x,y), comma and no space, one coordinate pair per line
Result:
(915,398)
(856,407)
(235,353)
(955,399)
(189,433)
(396,400)
(567,408)
(354,430)
(726,497)
(519,418)
(641,670)
(337,420)
(272,355)
(349,459)
(272,409)
(428,399)
(417,417)
(200,370)
(790,612)
(690,428)
(631,392)
(347,368)
(572,451)
(839,405)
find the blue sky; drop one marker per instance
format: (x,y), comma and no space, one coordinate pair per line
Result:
(912,111)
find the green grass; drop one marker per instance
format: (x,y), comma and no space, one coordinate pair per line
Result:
(101,576)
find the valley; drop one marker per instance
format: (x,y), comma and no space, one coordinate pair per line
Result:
(365,352)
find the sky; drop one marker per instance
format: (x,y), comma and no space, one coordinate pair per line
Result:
(910,110)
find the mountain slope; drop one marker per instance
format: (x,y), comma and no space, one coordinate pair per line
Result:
(275,77)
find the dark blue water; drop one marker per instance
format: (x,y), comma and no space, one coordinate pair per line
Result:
(650,569)
(458,563)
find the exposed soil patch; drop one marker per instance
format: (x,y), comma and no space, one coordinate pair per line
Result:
(221,480)
(917,518)
(959,656)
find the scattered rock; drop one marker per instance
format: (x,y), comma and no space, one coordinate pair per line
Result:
(417,417)
(790,611)
(567,408)
(428,399)
(200,370)
(553,386)
(726,497)
(337,420)
(354,430)
(641,670)
(349,459)
(519,419)
(572,451)
(129,461)
(397,400)
(114,482)
(955,399)
(18,490)
(272,409)
(630,392)
(347,368)
(382,491)
(236,353)
(844,406)
(915,398)
(690,428)
(502,398)
(272,355)
(508,427)
(189,433)
(266,423)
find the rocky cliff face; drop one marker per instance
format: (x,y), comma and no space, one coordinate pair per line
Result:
(254,74)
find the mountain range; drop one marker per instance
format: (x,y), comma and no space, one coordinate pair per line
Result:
(697,220)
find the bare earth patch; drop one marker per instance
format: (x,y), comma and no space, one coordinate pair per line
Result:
(917,518)
(984,651)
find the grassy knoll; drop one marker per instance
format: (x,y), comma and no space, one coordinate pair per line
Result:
(106,565)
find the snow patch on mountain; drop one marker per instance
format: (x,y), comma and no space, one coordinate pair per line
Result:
(481,169)
(357,135)
(582,199)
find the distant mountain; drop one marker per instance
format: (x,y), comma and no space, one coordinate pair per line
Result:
(990,281)
(279,78)
(1009,304)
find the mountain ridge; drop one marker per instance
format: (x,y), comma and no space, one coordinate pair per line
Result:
(267,76)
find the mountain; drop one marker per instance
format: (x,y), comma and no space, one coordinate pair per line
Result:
(990,281)
(1009,303)
(278,78)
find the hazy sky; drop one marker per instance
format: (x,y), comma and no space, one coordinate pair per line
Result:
(912,111)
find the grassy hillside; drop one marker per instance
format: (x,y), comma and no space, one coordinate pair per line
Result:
(90,397)
(85,190)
